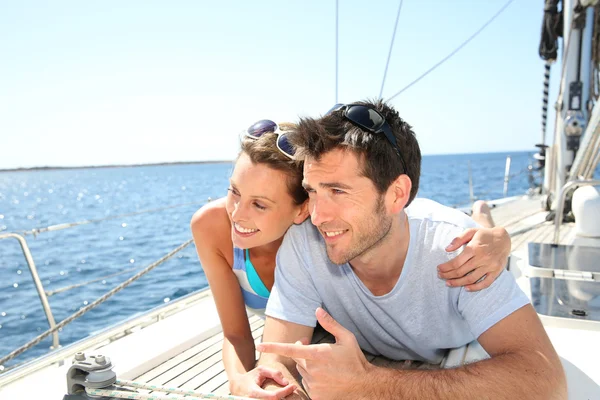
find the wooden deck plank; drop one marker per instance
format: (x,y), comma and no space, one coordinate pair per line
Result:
(194,375)
(222,390)
(217,381)
(191,352)
(177,375)
(517,217)
(208,348)
(219,384)
(202,374)
(511,213)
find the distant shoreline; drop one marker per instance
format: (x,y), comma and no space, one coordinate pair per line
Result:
(27,169)
(113,166)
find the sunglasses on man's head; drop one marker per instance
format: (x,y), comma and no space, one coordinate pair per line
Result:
(267,126)
(370,120)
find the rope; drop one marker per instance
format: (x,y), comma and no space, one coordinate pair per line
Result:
(76,285)
(155,388)
(551,29)
(390,52)
(548,50)
(545,98)
(524,170)
(463,44)
(480,195)
(98,301)
(475,198)
(58,227)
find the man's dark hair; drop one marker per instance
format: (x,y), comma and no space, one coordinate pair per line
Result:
(381,164)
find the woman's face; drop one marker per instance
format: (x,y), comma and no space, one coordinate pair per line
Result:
(259,205)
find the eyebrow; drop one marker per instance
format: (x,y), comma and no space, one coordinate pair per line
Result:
(329,185)
(254,197)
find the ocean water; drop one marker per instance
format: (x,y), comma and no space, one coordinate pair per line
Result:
(36,199)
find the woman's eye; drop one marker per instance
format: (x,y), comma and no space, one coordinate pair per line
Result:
(233,191)
(259,206)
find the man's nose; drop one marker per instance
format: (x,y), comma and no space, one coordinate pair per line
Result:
(320,211)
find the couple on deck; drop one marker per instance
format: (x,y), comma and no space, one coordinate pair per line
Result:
(380,270)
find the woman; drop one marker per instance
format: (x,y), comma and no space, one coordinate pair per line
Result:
(237,239)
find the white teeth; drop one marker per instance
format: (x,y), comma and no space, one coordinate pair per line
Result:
(244,230)
(332,234)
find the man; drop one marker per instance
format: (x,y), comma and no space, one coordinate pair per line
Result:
(371,262)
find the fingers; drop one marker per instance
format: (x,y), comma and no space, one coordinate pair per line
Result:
(301,367)
(306,386)
(469,279)
(307,352)
(272,373)
(259,393)
(332,326)
(303,341)
(462,239)
(284,391)
(485,282)
(449,270)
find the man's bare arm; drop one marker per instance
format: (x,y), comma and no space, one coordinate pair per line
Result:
(523,364)
(280,331)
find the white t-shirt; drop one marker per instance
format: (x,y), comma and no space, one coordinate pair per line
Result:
(419,318)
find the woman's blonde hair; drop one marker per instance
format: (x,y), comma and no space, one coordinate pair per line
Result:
(264,150)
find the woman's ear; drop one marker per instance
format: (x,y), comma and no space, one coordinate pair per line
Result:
(302,214)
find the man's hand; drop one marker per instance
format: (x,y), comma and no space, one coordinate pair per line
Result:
(250,384)
(328,371)
(482,260)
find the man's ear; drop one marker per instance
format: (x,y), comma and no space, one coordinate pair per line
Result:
(399,193)
(302,214)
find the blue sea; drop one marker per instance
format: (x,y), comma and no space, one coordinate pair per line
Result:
(36,199)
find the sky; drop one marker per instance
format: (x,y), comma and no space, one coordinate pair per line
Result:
(114,82)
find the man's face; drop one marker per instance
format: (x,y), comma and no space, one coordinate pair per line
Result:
(345,206)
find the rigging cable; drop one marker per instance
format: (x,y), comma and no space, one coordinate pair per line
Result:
(463,44)
(552,27)
(390,52)
(58,227)
(93,304)
(336,49)
(596,54)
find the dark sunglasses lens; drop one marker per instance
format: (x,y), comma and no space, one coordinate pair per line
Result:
(285,146)
(261,127)
(334,108)
(368,118)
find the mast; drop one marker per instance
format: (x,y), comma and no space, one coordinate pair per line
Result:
(574,102)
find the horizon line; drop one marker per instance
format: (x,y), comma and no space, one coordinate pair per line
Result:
(48,167)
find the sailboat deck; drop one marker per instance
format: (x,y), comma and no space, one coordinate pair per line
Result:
(525,221)
(201,367)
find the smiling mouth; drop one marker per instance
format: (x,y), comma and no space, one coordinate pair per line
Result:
(333,234)
(243,231)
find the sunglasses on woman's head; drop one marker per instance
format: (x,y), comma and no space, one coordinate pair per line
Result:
(370,120)
(267,126)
